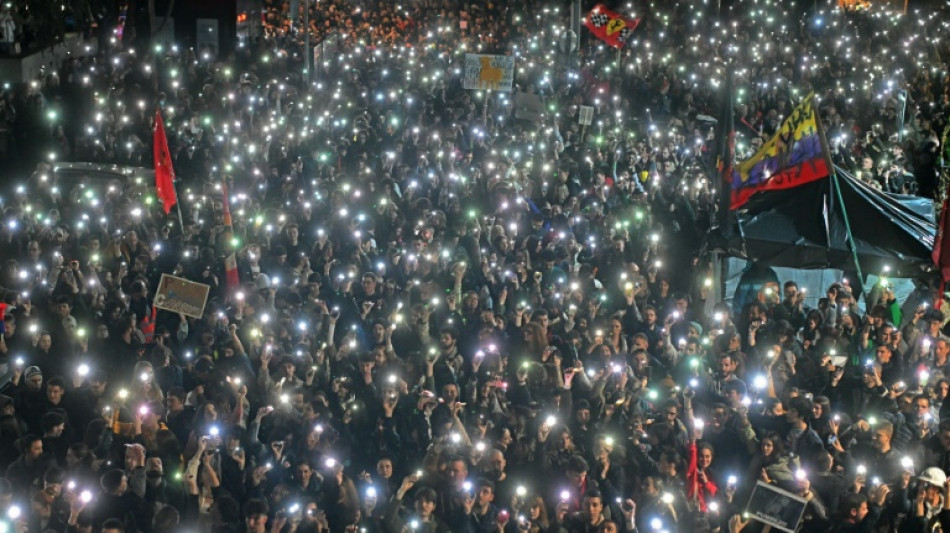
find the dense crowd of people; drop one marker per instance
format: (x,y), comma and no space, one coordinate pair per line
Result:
(452,315)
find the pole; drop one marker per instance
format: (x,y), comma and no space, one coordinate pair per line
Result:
(181,220)
(306,42)
(576,26)
(718,286)
(847,226)
(834,183)
(574,20)
(900,128)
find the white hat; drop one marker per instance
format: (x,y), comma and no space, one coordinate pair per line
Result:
(934,476)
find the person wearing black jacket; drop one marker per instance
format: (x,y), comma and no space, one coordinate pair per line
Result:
(801,439)
(159,491)
(829,485)
(859,513)
(121,499)
(30,466)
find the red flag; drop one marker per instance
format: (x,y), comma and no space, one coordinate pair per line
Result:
(941,252)
(164,172)
(612,28)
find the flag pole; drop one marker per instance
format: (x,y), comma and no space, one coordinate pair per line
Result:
(181,220)
(902,95)
(725,154)
(837,187)
(233,279)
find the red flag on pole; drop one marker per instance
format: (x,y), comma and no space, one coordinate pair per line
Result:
(612,28)
(164,172)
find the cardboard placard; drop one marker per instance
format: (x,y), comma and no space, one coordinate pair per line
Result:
(488,72)
(180,295)
(778,508)
(585,115)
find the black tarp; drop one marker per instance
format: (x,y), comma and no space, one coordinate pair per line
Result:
(804,227)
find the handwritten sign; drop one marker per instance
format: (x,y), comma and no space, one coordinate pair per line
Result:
(180,295)
(488,72)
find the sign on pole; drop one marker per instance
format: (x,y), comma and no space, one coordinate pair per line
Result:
(180,295)
(585,115)
(488,72)
(776,507)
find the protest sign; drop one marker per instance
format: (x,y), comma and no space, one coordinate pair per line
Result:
(491,72)
(180,295)
(776,507)
(585,115)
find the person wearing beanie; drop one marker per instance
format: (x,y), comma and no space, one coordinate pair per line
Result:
(30,397)
(32,372)
(695,330)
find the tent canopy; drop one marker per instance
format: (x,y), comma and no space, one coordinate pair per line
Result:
(804,227)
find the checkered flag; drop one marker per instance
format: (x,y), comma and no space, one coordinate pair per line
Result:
(599,20)
(610,27)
